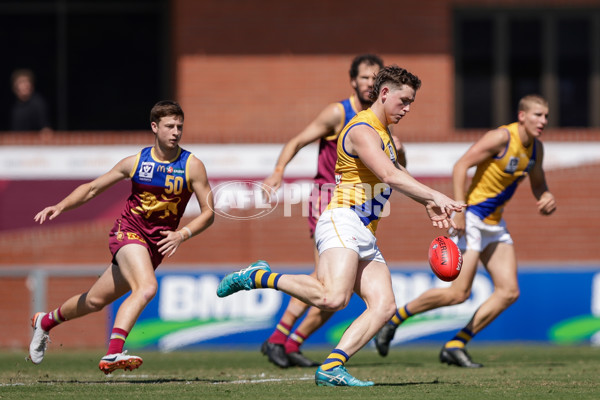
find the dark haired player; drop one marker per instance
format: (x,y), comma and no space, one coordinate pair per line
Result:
(163,179)
(283,346)
(349,258)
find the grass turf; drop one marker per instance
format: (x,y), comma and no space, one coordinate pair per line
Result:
(518,372)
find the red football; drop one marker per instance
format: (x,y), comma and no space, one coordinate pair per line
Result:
(445,258)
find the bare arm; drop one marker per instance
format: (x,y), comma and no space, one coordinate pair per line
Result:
(325,124)
(546,202)
(201,187)
(400,151)
(84,193)
(491,144)
(363,141)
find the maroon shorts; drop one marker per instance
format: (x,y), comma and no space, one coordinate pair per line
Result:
(118,239)
(317,203)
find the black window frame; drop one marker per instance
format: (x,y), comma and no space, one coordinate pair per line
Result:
(58,82)
(502,97)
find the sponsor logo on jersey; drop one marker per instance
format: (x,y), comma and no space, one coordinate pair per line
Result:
(513,164)
(169,170)
(134,236)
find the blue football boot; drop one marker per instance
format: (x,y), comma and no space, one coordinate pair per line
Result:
(240,280)
(338,377)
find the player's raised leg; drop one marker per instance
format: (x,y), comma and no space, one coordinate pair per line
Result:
(246,279)
(283,346)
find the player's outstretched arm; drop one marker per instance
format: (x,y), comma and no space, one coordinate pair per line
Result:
(363,141)
(325,124)
(84,193)
(199,182)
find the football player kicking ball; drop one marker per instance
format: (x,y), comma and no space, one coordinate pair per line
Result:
(349,259)
(163,178)
(504,157)
(283,346)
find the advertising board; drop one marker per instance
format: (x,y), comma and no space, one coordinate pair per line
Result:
(554,306)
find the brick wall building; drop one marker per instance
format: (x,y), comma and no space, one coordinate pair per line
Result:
(258,72)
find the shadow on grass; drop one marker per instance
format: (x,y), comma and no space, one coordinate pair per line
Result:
(387,364)
(141,381)
(434,382)
(210,381)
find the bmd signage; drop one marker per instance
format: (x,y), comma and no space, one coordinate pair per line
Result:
(186,311)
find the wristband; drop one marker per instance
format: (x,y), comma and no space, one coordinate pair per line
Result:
(189,231)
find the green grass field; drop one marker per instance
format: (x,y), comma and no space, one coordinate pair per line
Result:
(510,372)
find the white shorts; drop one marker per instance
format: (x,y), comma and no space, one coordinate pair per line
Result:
(341,227)
(479,234)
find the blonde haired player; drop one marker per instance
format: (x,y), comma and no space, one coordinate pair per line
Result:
(350,260)
(504,157)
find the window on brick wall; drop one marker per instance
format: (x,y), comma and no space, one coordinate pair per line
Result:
(99,65)
(504,54)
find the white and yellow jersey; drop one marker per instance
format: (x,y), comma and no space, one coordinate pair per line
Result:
(496,179)
(357,187)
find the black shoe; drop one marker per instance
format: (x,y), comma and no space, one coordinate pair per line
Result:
(276,354)
(458,357)
(384,338)
(298,359)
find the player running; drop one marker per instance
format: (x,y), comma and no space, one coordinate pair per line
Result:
(504,157)
(163,178)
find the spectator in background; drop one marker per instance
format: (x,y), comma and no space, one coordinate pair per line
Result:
(29,113)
